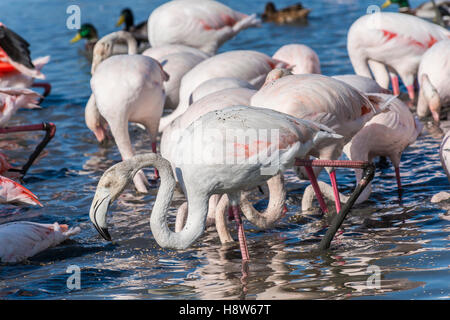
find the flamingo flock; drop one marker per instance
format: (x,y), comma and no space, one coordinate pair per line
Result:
(229,122)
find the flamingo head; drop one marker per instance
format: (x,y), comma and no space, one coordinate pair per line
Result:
(110,186)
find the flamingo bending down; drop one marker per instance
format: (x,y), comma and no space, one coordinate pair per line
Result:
(12,99)
(434,76)
(16,68)
(23,239)
(204,168)
(247,65)
(126,88)
(303,58)
(386,134)
(324,100)
(218,204)
(201,24)
(393,40)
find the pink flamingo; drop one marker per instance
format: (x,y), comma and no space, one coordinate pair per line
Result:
(12,99)
(434,76)
(363,84)
(126,88)
(324,100)
(23,239)
(201,24)
(303,58)
(13,192)
(16,68)
(247,65)
(393,40)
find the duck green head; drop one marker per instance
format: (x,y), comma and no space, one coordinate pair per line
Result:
(401,3)
(87,31)
(126,16)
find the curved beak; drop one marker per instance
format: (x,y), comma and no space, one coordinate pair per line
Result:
(98,211)
(120,21)
(76,38)
(386,4)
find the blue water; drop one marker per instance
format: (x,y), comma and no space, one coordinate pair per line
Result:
(407,240)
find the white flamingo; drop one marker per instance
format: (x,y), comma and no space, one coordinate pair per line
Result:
(201,24)
(324,100)
(203,169)
(127,88)
(434,76)
(393,40)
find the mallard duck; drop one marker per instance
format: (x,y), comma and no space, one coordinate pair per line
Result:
(139,31)
(289,14)
(425,10)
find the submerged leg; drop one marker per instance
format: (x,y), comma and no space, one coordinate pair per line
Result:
(241,233)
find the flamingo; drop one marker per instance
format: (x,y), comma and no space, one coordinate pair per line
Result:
(219,84)
(434,75)
(23,239)
(218,204)
(127,88)
(12,99)
(247,65)
(386,134)
(201,24)
(16,68)
(177,64)
(204,168)
(325,100)
(393,40)
(15,193)
(303,58)
(363,84)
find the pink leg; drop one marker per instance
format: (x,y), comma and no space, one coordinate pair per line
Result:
(315,185)
(241,233)
(395,85)
(337,200)
(154,151)
(411,92)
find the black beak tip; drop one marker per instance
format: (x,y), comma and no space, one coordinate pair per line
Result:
(103,232)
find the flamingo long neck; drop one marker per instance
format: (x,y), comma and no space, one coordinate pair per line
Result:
(275,208)
(197,206)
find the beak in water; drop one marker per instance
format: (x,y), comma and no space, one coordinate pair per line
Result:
(386,4)
(76,38)
(99,209)
(120,21)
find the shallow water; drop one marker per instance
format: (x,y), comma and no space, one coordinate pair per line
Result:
(407,240)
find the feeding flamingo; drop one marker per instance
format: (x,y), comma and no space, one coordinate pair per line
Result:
(126,88)
(301,57)
(393,40)
(201,24)
(203,168)
(23,239)
(434,76)
(247,65)
(16,68)
(324,100)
